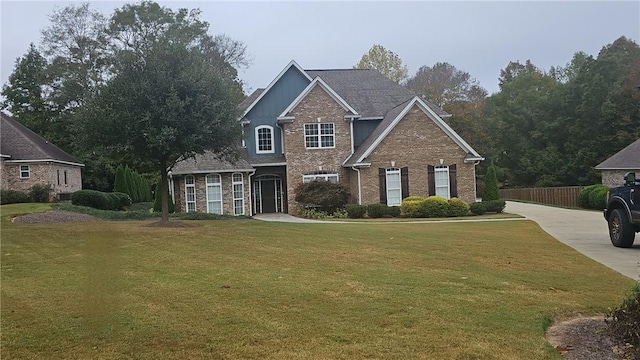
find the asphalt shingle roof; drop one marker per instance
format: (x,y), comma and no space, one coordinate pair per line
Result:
(20,143)
(369,92)
(250,99)
(625,159)
(210,162)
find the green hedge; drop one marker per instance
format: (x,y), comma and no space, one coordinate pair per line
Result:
(593,197)
(100,200)
(355,211)
(13,197)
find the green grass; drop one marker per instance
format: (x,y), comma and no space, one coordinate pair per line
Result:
(260,290)
(399,219)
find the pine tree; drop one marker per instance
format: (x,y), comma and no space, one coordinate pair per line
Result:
(491,191)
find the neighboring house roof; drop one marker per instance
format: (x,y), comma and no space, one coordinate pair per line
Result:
(625,159)
(273,160)
(19,144)
(208,163)
(391,120)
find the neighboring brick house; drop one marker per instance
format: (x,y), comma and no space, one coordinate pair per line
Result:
(351,126)
(27,159)
(624,161)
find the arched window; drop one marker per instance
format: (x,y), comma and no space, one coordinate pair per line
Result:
(264,139)
(394,187)
(238,193)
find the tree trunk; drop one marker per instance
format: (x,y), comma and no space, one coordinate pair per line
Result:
(165,192)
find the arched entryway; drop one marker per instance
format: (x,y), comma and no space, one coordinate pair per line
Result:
(267,194)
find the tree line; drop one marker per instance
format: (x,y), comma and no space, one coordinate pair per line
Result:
(543,127)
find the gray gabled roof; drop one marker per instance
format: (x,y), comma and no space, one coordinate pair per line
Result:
(625,159)
(209,162)
(369,92)
(19,143)
(250,99)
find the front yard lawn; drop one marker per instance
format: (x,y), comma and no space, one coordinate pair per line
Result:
(260,290)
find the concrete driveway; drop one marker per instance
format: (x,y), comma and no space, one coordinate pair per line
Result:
(585,231)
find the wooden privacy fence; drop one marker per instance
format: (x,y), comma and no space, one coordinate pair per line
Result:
(561,196)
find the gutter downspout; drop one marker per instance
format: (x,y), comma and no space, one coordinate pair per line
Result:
(359,184)
(250,192)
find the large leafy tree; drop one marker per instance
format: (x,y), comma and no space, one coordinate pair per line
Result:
(385,61)
(172,96)
(443,84)
(24,94)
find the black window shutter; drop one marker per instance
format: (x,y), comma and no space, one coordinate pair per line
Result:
(453,182)
(404,180)
(382,175)
(431,173)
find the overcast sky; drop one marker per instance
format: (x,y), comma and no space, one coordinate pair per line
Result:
(479,37)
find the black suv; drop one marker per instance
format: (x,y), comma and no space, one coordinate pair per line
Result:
(623,211)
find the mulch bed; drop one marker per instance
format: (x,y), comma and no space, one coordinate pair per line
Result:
(585,339)
(53,216)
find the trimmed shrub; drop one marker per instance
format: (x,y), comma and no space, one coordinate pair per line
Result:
(355,211)
(123,200)
(92,198)
(412,206)
(376,211)
(478,208)
(157,202)
(587,202)
(120,184)
(40,193)
(457,207)
(13,197)
(624,323)
(495,206)
(322,195)
(598,197)
(414,198)
(393,211)
(491,191)
(434,206)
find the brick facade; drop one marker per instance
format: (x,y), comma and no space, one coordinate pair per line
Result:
(42,173)
(428,144)
(613,178)
(317,107)
(201,193)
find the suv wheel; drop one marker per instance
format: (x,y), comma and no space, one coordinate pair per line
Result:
(620,229)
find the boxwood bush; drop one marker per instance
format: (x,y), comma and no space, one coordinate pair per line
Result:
(355,211)
(377,210)
(434,206)
(13,197)
(100,200)
(478,208)
(457,207)
(593,197)
(412,206)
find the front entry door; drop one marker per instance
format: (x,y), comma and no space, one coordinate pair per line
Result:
(268,194)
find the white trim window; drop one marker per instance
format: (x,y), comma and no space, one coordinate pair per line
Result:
(394,187)
(25,171)
(441,177)
(190,193)
(237,188)
(264,139)
(214,194)
(319,136)
(330,177)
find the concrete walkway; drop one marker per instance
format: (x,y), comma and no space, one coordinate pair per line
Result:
(585,231)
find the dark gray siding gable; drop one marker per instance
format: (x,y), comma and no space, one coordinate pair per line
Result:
(362,129)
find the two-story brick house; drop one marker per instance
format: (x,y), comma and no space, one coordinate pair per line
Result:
(351,126)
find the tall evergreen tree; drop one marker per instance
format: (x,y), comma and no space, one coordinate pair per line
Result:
(120,183)
(491,190)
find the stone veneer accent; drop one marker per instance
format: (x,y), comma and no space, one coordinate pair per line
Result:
(416,142)
(317,107)
(201,193)
(42,173)
(613,178)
